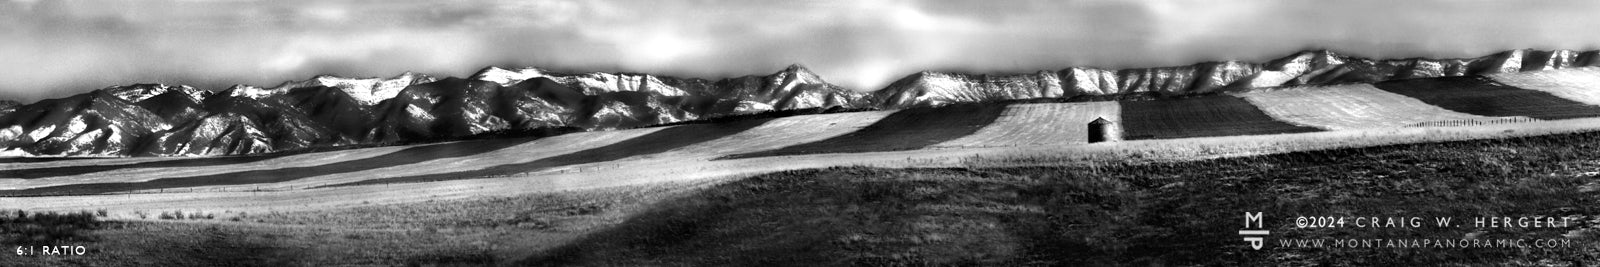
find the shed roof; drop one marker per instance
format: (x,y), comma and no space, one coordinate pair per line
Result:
(1100,120)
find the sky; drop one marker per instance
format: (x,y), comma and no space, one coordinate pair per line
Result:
(56,48)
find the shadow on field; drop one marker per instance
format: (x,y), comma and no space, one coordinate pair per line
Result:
(651,143)
(35,173)
(31,159)
(1153,214)
(908,129)
(1215,115)
(1478,95)
(406,156)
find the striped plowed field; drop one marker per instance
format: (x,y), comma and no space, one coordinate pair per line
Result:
(117,172)
(403,157)
(1352,106)
(1578,84)
(29,168)
(908,129)
(346,164)
(1483,96)
(656,142)
(1213,115)
(58,171)
(1040,124)
(50,162)
(779,133)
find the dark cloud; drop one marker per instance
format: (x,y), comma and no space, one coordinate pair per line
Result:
(58,47)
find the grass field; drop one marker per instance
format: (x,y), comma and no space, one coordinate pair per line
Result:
(1577,84)
(1214,115)
(475,232)
(1352,106)
(1483,96)
(1159,214)
(908,129)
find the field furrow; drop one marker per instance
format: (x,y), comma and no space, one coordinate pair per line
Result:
(1352,106)
(1040,124)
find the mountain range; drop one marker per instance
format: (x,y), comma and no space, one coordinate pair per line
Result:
(328,111)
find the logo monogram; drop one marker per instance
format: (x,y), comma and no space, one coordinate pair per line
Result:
(1257,238)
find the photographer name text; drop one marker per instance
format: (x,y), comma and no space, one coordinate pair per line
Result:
(1418,222)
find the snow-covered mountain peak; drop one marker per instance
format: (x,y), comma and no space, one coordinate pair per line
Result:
(140,92)
(249,91)
(507,77)
(368,91)
(799,74)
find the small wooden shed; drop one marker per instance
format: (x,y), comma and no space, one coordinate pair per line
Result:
(1103,130)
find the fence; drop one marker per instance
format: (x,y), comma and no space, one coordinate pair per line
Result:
(1472,122)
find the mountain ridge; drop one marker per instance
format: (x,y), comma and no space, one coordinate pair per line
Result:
(1307,67)
(331,111)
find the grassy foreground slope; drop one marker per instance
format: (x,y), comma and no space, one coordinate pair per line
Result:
(1160,214)
(476,232)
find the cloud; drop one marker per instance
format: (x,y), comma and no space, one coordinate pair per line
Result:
(55,48)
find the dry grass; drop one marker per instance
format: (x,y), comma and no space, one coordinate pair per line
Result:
(1184,213)
(1576,84)
(474,232)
